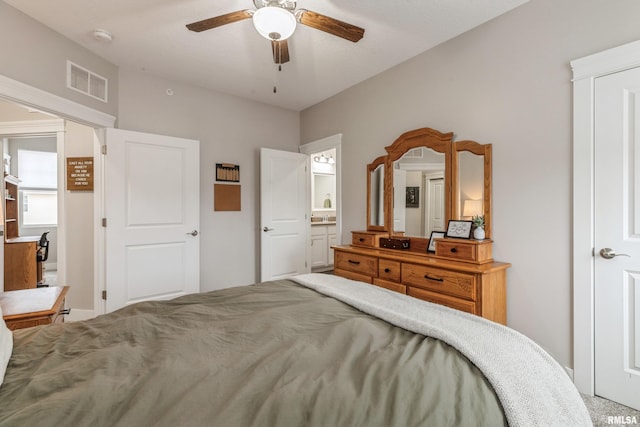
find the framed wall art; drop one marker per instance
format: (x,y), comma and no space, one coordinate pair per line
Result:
(413,197)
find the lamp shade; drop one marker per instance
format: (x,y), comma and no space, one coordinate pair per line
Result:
(472,207)
(274,23)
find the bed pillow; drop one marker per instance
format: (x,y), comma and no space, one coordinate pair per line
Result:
(6,346)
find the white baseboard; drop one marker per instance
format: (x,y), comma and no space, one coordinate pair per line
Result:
(77,314)
(50,266)
(569,372)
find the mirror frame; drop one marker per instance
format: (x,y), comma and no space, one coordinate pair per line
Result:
(442,143)
(478,149)
(422,137)
(370,168)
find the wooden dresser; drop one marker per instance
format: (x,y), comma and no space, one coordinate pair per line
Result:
(460,274)
(32,307)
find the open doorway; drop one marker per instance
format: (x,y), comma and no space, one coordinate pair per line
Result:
(325,179)
(34,159)
(35,147)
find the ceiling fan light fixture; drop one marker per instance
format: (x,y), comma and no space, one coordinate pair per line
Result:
(274,23)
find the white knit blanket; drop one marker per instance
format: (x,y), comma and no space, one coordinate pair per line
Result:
(532,387)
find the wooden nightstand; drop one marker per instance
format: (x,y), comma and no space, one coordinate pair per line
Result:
(32,307)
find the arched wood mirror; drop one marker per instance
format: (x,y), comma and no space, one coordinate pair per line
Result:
(428,180)
(419,179)
(376,195)
(471,182)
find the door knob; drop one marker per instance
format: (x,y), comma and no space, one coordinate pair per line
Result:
(193,233)
(609,253)
(265,229)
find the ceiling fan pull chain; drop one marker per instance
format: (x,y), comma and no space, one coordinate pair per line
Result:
(275,79)
(275,82)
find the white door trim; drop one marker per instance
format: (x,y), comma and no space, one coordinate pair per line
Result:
(30,96)
(325,144)
(585,71)
(13,90)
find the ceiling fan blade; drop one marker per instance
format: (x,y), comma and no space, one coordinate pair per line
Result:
(330,25)
(218,21)
(280,50)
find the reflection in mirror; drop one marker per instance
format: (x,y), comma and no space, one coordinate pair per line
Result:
(470,185)
(376,195)
(472,182)
(324,188)
(419,192)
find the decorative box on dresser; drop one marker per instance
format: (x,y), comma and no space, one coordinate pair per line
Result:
(460,274)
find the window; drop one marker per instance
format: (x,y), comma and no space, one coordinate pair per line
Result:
(38,171)
(39,207)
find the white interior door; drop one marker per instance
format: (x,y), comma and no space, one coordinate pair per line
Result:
(284,214)
(617,227)
(435,203)
(152,210)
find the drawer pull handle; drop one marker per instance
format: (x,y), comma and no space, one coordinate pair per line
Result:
(454,250)
(361,239)
(354,262)
(387,270)
(65,311)
(437,279)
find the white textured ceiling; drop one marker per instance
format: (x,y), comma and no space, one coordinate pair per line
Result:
(150,35)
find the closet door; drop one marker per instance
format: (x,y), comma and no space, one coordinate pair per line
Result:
(617,237)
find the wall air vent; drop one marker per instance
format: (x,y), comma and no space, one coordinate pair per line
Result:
(82,80)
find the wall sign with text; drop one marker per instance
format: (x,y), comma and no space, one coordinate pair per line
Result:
(80,173)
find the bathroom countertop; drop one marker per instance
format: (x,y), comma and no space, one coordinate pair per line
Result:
(323,223)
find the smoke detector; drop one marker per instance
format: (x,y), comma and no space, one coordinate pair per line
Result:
(102,35)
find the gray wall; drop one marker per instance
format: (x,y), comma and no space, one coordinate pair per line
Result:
(230,130)
(508,83)
(35,55)
(78,210)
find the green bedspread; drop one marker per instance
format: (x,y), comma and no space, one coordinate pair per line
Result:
(273,354)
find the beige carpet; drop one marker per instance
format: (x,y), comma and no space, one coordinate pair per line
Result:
(607,413)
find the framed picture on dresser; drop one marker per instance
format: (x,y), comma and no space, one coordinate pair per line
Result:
(459,229)
(432,240)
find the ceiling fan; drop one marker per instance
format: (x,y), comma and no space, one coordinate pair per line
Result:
(276,20)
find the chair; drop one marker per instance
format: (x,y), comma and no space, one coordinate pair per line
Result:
(42,254)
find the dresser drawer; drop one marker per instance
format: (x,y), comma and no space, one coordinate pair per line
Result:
(392,286)
(362,264)
(474,251)
(389,270)
(439,280)
(452,302)
(456,250)
(353,276)
(363,239)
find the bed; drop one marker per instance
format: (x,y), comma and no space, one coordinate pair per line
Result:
(313,350)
